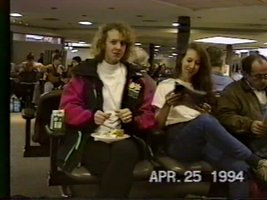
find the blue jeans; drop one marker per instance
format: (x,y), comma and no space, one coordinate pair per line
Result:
(205,138)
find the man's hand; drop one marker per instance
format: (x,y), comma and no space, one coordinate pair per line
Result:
(100,117)
(125,115)
(258,128)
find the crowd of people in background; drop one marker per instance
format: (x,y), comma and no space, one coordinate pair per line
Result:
(48,77)
(31,78)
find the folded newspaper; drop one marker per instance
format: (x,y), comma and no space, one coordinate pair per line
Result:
(188,88)
(191,96)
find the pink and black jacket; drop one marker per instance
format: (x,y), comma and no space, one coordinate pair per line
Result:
(82,97)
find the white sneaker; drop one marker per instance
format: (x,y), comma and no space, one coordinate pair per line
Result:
(261,170)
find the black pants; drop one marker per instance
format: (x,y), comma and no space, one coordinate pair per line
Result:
(114,164)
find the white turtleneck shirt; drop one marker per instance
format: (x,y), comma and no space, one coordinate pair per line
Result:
(113,78)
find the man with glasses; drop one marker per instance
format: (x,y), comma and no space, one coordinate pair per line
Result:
(243,104)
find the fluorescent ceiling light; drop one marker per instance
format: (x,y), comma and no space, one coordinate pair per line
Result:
(175,24)
(138,44)
(34,37)
(81,42)
(265,43)
(157,46)
(85,23)
(242,51)
(68,48)
(78,44)
(174,54)
(74,50)
(15,15)
(225,40)
(263,51)
(173,48)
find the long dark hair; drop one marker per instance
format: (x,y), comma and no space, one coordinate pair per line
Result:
(202,79)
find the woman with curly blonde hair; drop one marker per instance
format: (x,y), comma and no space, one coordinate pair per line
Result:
(106,93)
(99,42)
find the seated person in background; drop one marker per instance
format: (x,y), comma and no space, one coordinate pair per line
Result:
(53,73)
(219,80)
(243,104)
(29,72)
(139,58)
(76,60)
(29,65)
(192,133)
(41,58)
(106,93)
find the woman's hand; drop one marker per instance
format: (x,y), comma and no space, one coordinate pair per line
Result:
(172,99)
(100,117)
(125,115)
(204,108)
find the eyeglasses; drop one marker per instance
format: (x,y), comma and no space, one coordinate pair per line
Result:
(259,76)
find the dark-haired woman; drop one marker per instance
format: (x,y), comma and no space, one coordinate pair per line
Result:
(194,134)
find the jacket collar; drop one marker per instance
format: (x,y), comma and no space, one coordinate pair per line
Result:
(245,85)
(89,69)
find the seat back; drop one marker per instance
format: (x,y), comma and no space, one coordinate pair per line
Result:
(48,102)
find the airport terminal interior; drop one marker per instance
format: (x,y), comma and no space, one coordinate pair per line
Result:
(56,36)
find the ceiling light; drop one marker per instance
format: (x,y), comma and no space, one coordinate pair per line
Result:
(15,15)
(34,37)
(74,50)
(138,44)
(68,48)
(85,23)
(241,51)
(81,42)
(78,44)
(174,54)
(175,24)
(263,51)
(173,48)
(157,46)
(265,43)
(225,40)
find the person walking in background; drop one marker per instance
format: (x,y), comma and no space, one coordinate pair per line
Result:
(216,56)
(106,93)
(243,103)
(183,106)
